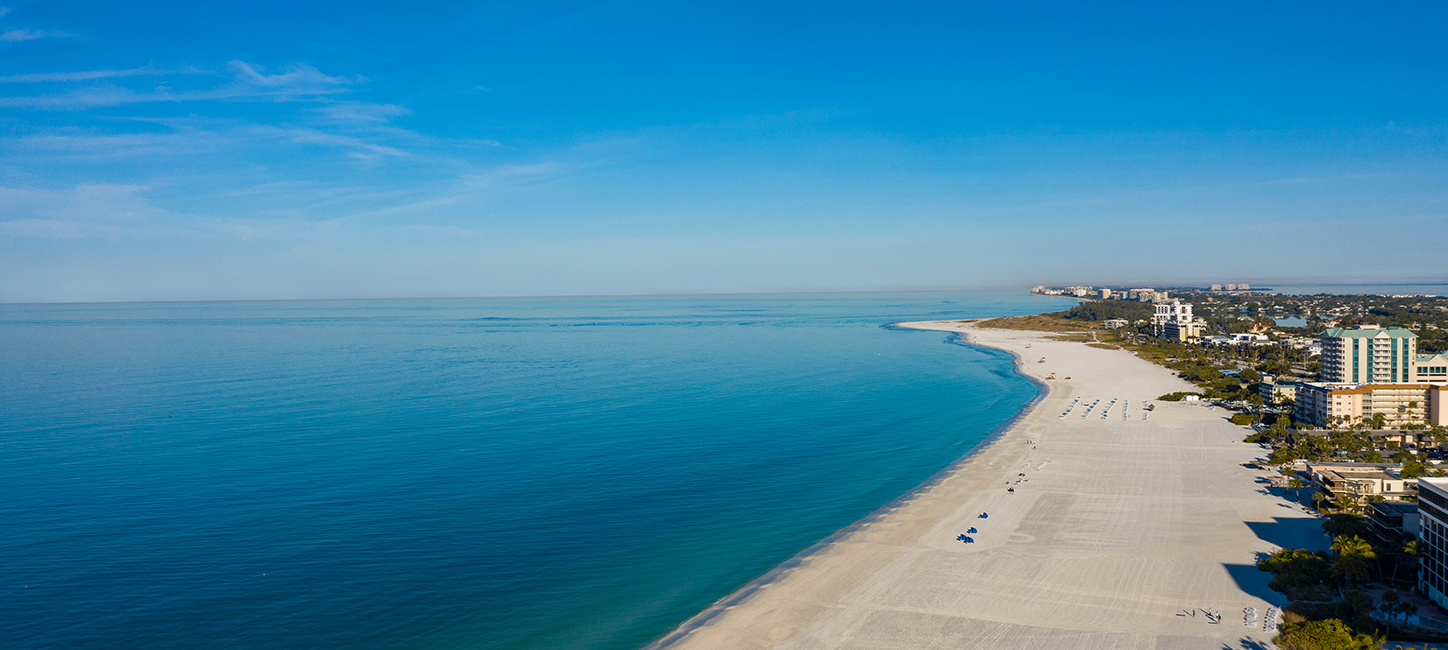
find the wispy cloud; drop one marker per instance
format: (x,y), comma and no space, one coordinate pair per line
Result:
(17,35)
(90,209)
(89,146)
(295,79)
(296,82)
(360,148)
(361,112)
(514,174)
(83,75)
(405,209)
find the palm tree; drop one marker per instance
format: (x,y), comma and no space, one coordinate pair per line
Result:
(1355,557)
(1406,608)
(1389,606)
(1407,555)
(1296,484)
(1345,502)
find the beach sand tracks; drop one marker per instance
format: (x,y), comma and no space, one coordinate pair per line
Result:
(1100,522)
(1069,591)
(893,630)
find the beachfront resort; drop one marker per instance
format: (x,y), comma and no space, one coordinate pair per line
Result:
(1349,397)
(1204,469)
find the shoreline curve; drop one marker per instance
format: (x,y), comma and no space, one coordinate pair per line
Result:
(779,570)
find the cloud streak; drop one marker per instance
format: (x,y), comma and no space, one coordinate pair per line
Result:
(18,35)
(360,148)
(362,112)
(83,75)
(297,82)
(297,78)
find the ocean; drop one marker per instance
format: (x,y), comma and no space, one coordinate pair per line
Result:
(464,473)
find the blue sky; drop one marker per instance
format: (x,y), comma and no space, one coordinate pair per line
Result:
(172,151)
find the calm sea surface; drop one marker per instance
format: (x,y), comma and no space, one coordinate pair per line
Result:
(500,473)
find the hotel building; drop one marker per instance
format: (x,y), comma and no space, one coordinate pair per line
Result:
(1431,367)
(1362,481)
(1369,355)
(1174,321)
(1433,531)
(1325,405)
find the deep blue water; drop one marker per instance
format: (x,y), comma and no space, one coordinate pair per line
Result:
(492,473)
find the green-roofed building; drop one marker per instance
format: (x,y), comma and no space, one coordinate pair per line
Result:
(1371,355)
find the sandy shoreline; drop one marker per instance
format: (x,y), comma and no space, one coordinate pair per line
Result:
(1116,526)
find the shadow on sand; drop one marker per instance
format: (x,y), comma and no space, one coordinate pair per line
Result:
(1292,532)
(1254,581)
(1288,532)
(1247,644)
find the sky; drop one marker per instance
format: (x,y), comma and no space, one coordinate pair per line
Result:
(210,151)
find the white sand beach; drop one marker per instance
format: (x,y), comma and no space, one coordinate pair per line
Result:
(1118,531)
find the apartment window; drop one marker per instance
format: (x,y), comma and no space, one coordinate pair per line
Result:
(1355,376)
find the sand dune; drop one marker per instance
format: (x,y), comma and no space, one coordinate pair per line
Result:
(1118,526)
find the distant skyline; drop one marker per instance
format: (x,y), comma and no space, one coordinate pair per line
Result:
(180,151)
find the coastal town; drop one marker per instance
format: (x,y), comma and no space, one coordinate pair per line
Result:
(1348,397)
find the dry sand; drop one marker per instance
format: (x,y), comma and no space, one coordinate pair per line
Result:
(1117,528)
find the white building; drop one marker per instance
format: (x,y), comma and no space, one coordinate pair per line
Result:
(1174,312)
(1174,321)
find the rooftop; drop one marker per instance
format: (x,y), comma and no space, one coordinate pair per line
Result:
(1388,332)
(1350,475)
(1355,466)
(1394,508)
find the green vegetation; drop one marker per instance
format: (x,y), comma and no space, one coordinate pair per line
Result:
(1353,557)
(1099,310)
(1230,313)
(1327,610)
(1232,374)
(1330,634)
(1300,574)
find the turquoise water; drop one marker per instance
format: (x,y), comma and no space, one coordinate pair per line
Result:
(509,473)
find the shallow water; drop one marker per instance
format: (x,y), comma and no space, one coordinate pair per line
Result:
(500,473)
